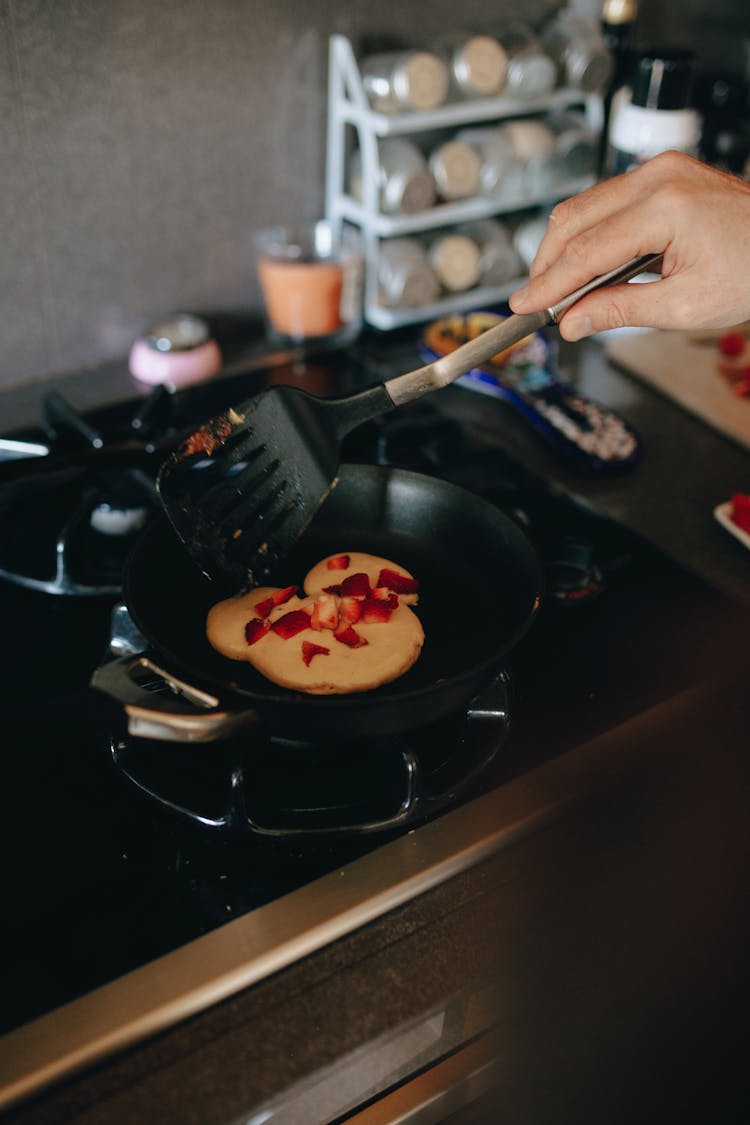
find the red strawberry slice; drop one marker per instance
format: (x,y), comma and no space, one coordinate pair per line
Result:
(278,598)
(255,629)
(382,594)
(338,562)
(309,650)
(350,637)
(354,585)
(398,582)
(325,614)
(351,610)
(291,624)
(374,610)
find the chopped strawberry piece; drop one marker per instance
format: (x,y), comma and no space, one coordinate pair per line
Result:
(291,624)
(398,582)
(732,344)
(350,637)
(351,610)
(309,650)
(325,614)
(255,629)
(375,610)
(740,511)
(354,585)
(264,608)
(278,598)
(741,388)
(382,594)
(338,562)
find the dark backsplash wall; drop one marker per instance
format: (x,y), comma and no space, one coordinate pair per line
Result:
(141,144)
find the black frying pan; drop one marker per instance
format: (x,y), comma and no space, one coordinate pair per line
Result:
(480,587)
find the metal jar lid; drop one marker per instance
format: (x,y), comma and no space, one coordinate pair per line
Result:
(421,81)
(479,66)
(179,333)
(456,167)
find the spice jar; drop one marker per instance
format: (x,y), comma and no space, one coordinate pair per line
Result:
(500,171)
(499,262)
(576,145)
(531,73)
(476,63)
(455,260)
(534,146)
(405,277)
(404,182)
(577,47)
(455,167)
(395,81)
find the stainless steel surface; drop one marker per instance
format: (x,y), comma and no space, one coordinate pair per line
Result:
(243,952)
(414,384)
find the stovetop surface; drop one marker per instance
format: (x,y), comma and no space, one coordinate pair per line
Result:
(98,880)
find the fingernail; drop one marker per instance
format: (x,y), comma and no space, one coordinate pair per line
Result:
(578,328)
(519,296)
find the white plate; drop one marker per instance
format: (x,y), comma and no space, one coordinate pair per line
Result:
(722,514)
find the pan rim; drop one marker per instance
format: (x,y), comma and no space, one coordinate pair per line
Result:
(275,696)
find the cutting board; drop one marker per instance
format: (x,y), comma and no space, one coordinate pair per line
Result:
(684,369)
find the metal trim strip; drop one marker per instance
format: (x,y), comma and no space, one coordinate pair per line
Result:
(248,949)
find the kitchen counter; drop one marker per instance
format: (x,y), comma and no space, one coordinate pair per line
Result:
(603,942)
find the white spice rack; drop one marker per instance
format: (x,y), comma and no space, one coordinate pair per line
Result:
(348,105)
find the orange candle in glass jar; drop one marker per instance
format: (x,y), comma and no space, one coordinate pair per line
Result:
(303,298)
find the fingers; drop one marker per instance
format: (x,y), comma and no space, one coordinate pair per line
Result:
(570,218)
(635,230)
(638,304)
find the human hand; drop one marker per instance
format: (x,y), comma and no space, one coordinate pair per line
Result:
(698,217)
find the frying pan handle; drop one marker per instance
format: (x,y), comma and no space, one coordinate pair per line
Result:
(179,712)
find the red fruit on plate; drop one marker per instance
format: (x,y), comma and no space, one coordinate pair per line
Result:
(741,387)
(291,624)
(374,611)
(338,562)
(350,637)
(264,608)
(740,511)
(732,344)
(325,614)
(309,650)
(382,594)
(398,582)
(351,610)
(255,629)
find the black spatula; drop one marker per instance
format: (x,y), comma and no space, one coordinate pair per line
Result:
(242,489)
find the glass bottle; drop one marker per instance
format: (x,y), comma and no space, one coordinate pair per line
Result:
(576,45)
(477,64)
(405,277)
(456,168)
(455,259)
(405,184)
(655,114)
(499,262)
(395,81)
(531,73)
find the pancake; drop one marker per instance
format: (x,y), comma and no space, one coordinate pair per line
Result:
(360,655)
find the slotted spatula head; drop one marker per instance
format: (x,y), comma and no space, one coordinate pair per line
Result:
(241,490)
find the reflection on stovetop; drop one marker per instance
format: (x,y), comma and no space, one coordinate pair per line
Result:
(103,879)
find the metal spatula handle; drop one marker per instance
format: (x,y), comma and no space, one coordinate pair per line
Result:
(414,384)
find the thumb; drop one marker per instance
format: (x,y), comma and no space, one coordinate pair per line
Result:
(638,304)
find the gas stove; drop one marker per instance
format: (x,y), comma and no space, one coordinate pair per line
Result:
(131,848)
